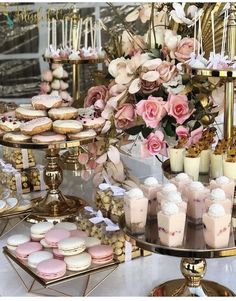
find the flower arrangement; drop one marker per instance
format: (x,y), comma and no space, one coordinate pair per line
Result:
(151,92)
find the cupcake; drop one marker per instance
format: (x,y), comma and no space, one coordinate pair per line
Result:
(171,225)
(135,207)
(224,183)
(216,226)
(218,196)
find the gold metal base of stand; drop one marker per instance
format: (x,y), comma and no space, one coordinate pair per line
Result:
(179,287)
(70,160)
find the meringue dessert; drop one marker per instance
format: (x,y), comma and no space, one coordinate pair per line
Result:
(176,159)
(216,226)
(224,183)
(135,207)
(171,224)
(218,196)
(196,195)
(166,188)
(175,197)
(150,187)
(181,181)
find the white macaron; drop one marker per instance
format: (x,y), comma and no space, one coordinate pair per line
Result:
(35,258)
(66,225)
(78,262)
(91,241)
(15,240)
(44,244)
(39,230)
(71,246)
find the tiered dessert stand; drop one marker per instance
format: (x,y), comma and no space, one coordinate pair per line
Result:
(193,263)
(55,205)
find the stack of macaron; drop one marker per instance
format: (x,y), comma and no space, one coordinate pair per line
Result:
(53,249)
(46,121)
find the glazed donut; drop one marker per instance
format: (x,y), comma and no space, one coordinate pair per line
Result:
(48,137)
(83,135)
(16,137)
(9,124)
(64,113)
(36,126)
(28,113)
(67,126)
(45,101)
(92,123)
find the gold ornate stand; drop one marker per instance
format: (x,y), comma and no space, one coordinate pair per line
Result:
(193,264)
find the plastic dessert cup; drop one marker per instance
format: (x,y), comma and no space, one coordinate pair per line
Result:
(192,167)
(224,183)
(205,161)
(229,169)
(176,159)
(216,165)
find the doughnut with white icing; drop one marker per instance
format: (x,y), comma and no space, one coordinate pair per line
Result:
(45,102)
(36,126)
(64,113)
(48,137)
(9,124)
(93,123)
(83,135)
(23,113)
(16,137)
(67,126)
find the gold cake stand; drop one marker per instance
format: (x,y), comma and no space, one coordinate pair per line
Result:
(193,264)
(55,204)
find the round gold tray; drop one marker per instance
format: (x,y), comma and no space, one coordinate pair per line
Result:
(73,62)
(204,178)
(229,73)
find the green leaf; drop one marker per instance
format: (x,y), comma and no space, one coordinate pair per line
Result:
(146,132)
(169,129)
(134,130)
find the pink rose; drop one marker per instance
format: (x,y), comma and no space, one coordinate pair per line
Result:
(184,49)
(154,145)
(178,107)
(182,132)
(94,94)
(152,110)
(44,88)
(47,76)
(167,71)
(125,116)
(196,135)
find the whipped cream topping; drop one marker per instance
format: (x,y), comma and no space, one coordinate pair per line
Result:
(216,210)
(182,177)
(217,194)
(222,180)
(151,181)
(169,187)
(135,193)
(174,197)
(196,185)
(170,208)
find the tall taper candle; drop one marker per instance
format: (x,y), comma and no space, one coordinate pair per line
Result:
(48,33)
(71,24)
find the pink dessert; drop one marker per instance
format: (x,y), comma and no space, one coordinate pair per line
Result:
(166,188)
(53,236)
(218,196)
(181,181)
(216,226)
(196,195)
(175,197)
(51,269)
(48,137)
(78,233)
(25,249)
(171,225)
(57,254)
(101,254)
(150,187)
(224,183)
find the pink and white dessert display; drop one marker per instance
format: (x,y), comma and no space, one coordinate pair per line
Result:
(150,187)
(135,207)
(224,183)
(218,196)
(166,188)
(45,102)
(196,195)
(176,159)
(216,226)
(181,181)
(171,224)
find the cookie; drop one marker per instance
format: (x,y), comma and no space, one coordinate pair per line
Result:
(67,126)
(93,123)
(45,102)
(16,137)
(64,113)
(83,135)
(9,124)
(28,113)
(48,137)
(36,126)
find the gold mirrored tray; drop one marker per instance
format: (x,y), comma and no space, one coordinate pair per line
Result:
(11,257)
(193,265)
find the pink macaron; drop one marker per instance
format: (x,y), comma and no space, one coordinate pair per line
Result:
(101,254)
(53,236)
(25,249)
(57,255)
(51,269)
(78,233)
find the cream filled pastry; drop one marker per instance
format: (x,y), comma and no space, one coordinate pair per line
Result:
(171,224)
(67,126)
(64,113)
(45,101)
(48,137)
(216,226)
(29,113)
(36,126)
